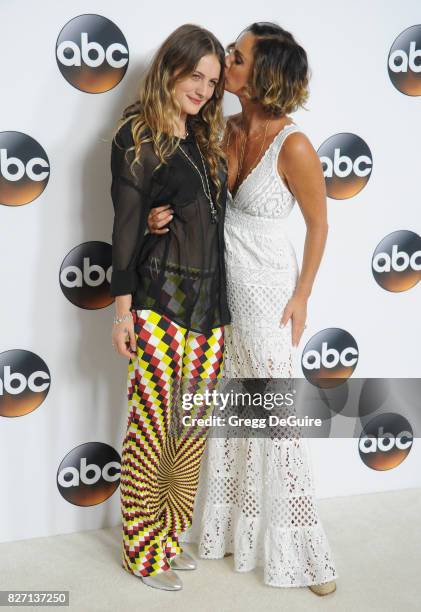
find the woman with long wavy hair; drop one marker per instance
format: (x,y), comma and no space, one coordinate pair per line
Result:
(256,497)
(170,291)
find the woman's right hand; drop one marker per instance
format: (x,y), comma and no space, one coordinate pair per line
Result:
(158,218)
(123,338)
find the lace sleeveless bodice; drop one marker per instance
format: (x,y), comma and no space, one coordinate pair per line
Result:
(261,269)
(263,193)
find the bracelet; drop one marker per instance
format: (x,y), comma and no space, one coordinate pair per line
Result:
(118,320)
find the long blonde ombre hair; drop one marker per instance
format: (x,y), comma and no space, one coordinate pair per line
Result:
(154,113)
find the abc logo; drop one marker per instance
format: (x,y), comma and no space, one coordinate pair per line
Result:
(92,53)
(24,382)
(85,275)
(329,357)
(396,262)
(24,169)
(385,441)
(404,61)
(89,474)
(347,164)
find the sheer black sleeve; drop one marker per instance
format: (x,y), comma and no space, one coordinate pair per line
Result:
(130,196)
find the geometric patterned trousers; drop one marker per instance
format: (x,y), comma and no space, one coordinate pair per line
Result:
(161,456)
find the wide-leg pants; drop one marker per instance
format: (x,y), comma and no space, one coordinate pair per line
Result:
(161,456)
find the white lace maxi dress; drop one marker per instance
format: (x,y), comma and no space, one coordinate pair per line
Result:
(256,496)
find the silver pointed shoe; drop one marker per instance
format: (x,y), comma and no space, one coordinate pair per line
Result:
(166,581)
(183,561)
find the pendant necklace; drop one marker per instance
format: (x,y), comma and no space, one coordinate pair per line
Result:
(206,190)
(240,162)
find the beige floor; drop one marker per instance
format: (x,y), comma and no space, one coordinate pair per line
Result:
(376,540)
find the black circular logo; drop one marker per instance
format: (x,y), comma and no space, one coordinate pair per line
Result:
(347,163)
(404,61)
(385,441)
(85,275)
(89,474)
(92,53)
(24,169)
(329,357)
(24,383)
(396,263)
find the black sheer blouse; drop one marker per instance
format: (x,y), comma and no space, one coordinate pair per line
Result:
(181,273)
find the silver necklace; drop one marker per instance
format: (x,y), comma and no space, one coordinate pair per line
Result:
(206,190)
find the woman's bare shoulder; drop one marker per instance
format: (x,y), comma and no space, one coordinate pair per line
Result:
(296,144)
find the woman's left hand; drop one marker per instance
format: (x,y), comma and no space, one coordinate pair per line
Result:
(296,310)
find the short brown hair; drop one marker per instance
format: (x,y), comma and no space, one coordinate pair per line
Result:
(280,73)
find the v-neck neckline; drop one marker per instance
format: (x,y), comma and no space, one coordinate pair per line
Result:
(260,160)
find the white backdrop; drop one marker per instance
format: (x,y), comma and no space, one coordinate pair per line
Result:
(347,45)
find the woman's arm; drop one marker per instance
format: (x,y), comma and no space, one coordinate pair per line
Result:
(131,208)
(300,167)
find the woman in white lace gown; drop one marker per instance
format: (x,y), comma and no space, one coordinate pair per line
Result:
(256,495)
